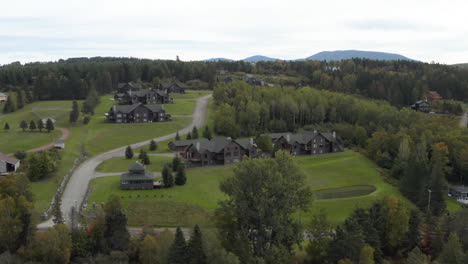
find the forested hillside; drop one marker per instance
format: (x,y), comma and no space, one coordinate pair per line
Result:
(399,82)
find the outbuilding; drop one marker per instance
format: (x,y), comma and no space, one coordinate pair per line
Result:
(8,164)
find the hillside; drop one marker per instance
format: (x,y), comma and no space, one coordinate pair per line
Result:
(461,65)
(258,58)
(349,54)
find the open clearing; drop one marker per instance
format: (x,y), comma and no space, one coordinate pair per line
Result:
(121,164)
(339,174)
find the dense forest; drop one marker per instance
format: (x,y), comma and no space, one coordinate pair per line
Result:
(399,82)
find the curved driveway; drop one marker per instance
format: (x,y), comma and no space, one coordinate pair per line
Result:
(76,188)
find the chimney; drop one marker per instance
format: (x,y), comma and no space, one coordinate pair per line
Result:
(287,137)
(334,134)
(197,145)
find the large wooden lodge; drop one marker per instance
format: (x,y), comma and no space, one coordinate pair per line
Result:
(222,151)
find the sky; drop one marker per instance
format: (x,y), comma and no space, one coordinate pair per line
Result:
(48,30)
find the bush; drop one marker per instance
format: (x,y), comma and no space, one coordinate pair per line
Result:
(20,154)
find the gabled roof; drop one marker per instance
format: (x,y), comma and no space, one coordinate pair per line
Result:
(137,166)
(137,171)
(129,108)
(303,137)
(181,143)
(245,143)
(170,84)
(155,107)
(8,159)
(461,189)
(131,84)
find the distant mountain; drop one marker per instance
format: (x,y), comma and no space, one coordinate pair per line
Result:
(349,54)
(461,65)
(258,58)
(218,59)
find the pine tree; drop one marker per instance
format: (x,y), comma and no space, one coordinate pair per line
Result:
(180,178)
(6,127)
(20,99)
(177,252)
(195,252)
(24,125)
(144,157)
(176,163)
(167,177)
(57,212)
(116,233)
(189,136)
(129,152)
(153,146)
(40,125)
(194,133)
(75,112)
(177,137)
(50,125)
(9,106)
(207,133)
(32,125)
(452,251)
(438,183)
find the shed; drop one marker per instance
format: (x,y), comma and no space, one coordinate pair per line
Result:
(137,178)
(8,164)
(59,144)
(459,193)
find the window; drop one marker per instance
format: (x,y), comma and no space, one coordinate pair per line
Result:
(228,154)
(206,156)
(144,114)
(161,114)
(315,145)
(315,140)
(137,115)
(236,154)
(119,115)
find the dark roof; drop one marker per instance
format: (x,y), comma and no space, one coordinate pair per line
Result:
(170,84)
(140,93)
(422,101)
(137,171)
(217,144)
(8,159)
(181,143)
(161,93)
(245,143)
(461,189)
(303,137)
(131,84)
(129,108)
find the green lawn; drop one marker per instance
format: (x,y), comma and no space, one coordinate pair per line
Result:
(180,107)
(15,139)
(122,164)
(190,94)
(348,169)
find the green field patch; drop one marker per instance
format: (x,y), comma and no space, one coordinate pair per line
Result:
(180,107)
(190,94)
(344,192)
(122,164)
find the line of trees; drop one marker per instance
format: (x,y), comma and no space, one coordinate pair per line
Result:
(49,125)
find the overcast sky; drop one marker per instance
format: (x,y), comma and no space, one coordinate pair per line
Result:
(200,29)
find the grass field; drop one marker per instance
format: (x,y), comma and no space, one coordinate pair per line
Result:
(180,107)
(339,174)
(122,164)
(190,94)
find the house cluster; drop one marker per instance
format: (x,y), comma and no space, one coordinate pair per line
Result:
(430,102)
(138,104)
(8,164)
(222,151)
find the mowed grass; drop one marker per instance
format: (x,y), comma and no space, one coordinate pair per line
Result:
(190,94)
(181,107)
(122,164)
(15,139)
(329,172)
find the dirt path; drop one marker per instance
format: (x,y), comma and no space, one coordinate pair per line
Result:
(65,135)
(76,188)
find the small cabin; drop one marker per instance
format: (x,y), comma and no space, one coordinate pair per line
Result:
(59,144)
(422,106)
(8,164)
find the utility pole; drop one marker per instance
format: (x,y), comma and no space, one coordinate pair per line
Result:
(429,201)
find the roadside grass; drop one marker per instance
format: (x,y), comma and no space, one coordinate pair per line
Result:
(180,107)
(346,170)
(190,94)
(121,164)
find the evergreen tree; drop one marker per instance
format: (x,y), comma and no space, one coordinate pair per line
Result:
(153,146)
(167,177)
(32,125)
(195,252)
(194,133)
(452,251)
(438,183)
(128,152)
(57,212)
(75,113)
(415,176)
(180,178)
(116,233)
(20,99)
(24,125)
(177,252)
(348,241)
(40,125)
(176,163)
(6,127)
(177,137)
(207,133)
(9,106)
(50,125)
(322,232)
(189,136)
(144,157)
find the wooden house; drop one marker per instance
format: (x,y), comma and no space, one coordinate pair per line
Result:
(137,178)
(421,106)
(307,142)
(137,113)
(172,87)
